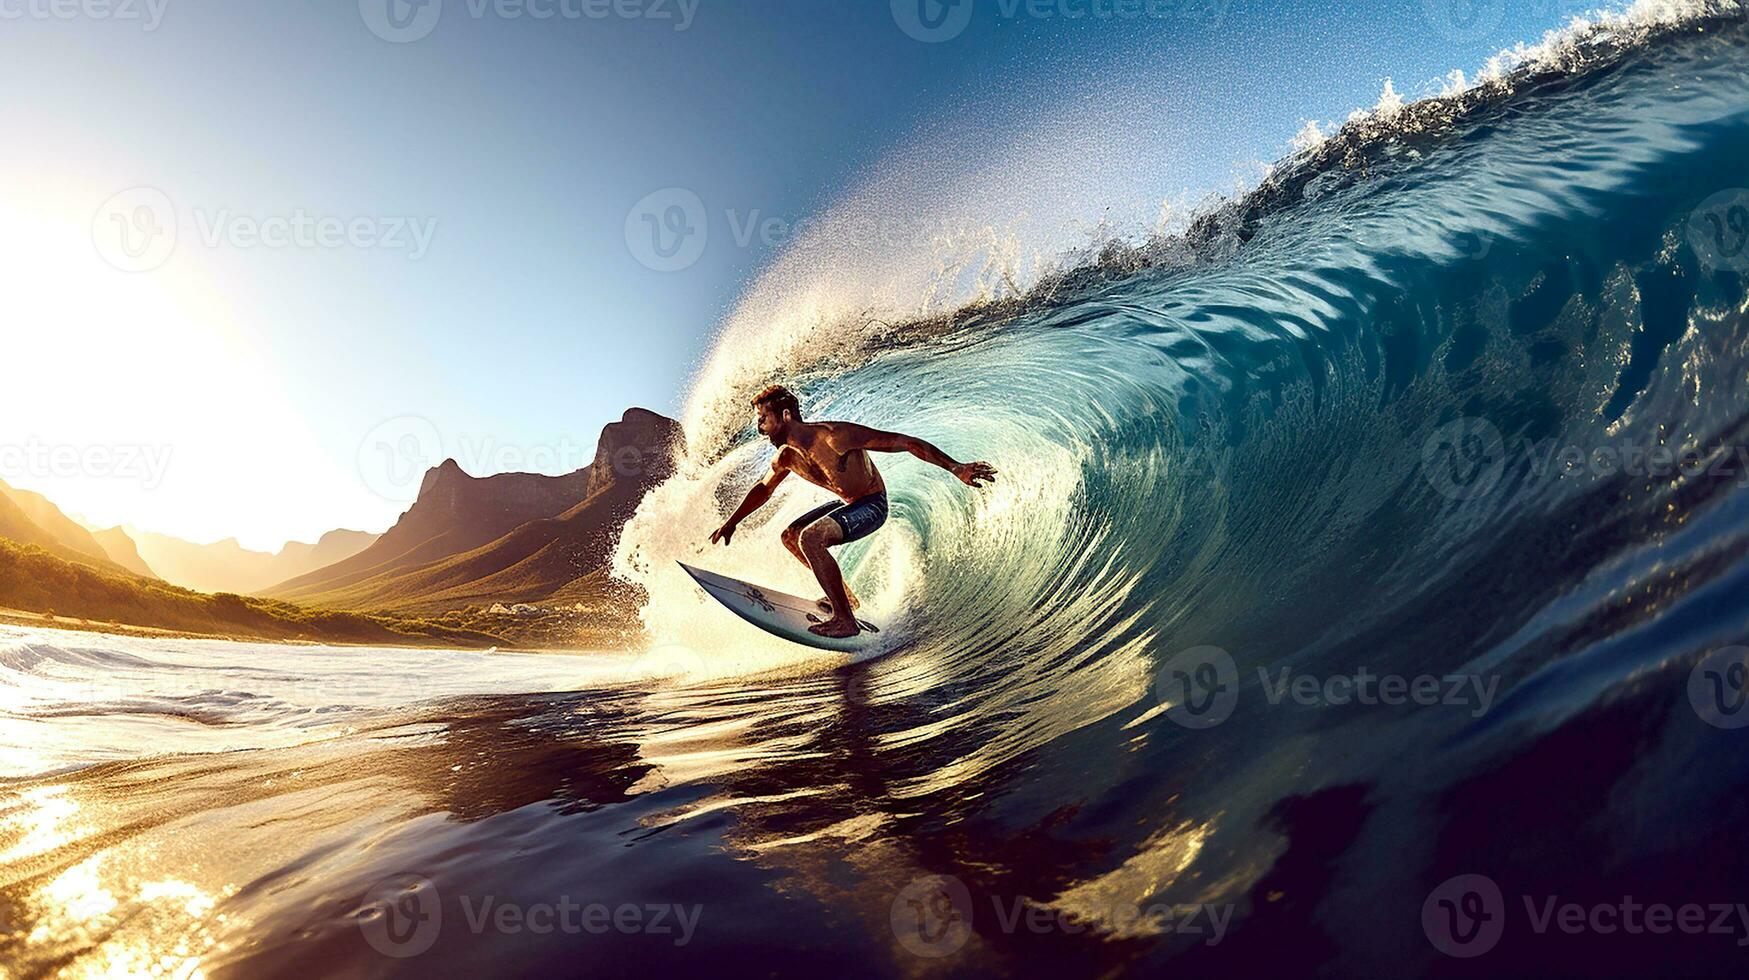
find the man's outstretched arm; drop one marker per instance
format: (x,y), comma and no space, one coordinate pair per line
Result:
(754,500)
(877,441)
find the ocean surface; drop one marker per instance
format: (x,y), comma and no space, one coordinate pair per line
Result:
(1364,594)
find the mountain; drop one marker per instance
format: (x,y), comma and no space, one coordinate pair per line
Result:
(453,513)
(514,537)
(227,566)
(223,566)
(121,550)
(297,558)
(28,517)
(33,579)
(16,525)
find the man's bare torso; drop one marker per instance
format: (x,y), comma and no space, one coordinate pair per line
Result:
(851,475)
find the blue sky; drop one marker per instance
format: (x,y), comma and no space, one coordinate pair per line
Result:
(519,144)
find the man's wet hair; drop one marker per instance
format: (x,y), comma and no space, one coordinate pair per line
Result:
(779,399)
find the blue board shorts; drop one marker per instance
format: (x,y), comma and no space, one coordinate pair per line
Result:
(858,519)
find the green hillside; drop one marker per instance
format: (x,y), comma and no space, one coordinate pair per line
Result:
(33,579)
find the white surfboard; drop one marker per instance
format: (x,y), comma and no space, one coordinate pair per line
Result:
(779,613)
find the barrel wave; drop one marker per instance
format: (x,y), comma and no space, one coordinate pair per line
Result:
(1455,398)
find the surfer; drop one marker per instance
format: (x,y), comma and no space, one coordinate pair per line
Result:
(833,455)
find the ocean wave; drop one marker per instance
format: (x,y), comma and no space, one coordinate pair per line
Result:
(30,658)
(905,260)
(1246,433)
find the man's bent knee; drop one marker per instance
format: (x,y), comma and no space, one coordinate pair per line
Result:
(823,533)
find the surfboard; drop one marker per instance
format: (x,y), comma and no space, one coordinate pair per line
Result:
(778,613)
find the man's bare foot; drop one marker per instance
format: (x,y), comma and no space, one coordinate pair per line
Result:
(837,628)
(825,603)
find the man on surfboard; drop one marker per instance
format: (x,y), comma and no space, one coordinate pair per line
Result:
(833,455)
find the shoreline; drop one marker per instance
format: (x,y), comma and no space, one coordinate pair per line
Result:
(34,620)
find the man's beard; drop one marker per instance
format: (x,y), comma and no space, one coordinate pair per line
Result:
(777,434)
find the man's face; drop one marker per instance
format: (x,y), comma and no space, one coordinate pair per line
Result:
(772,425)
